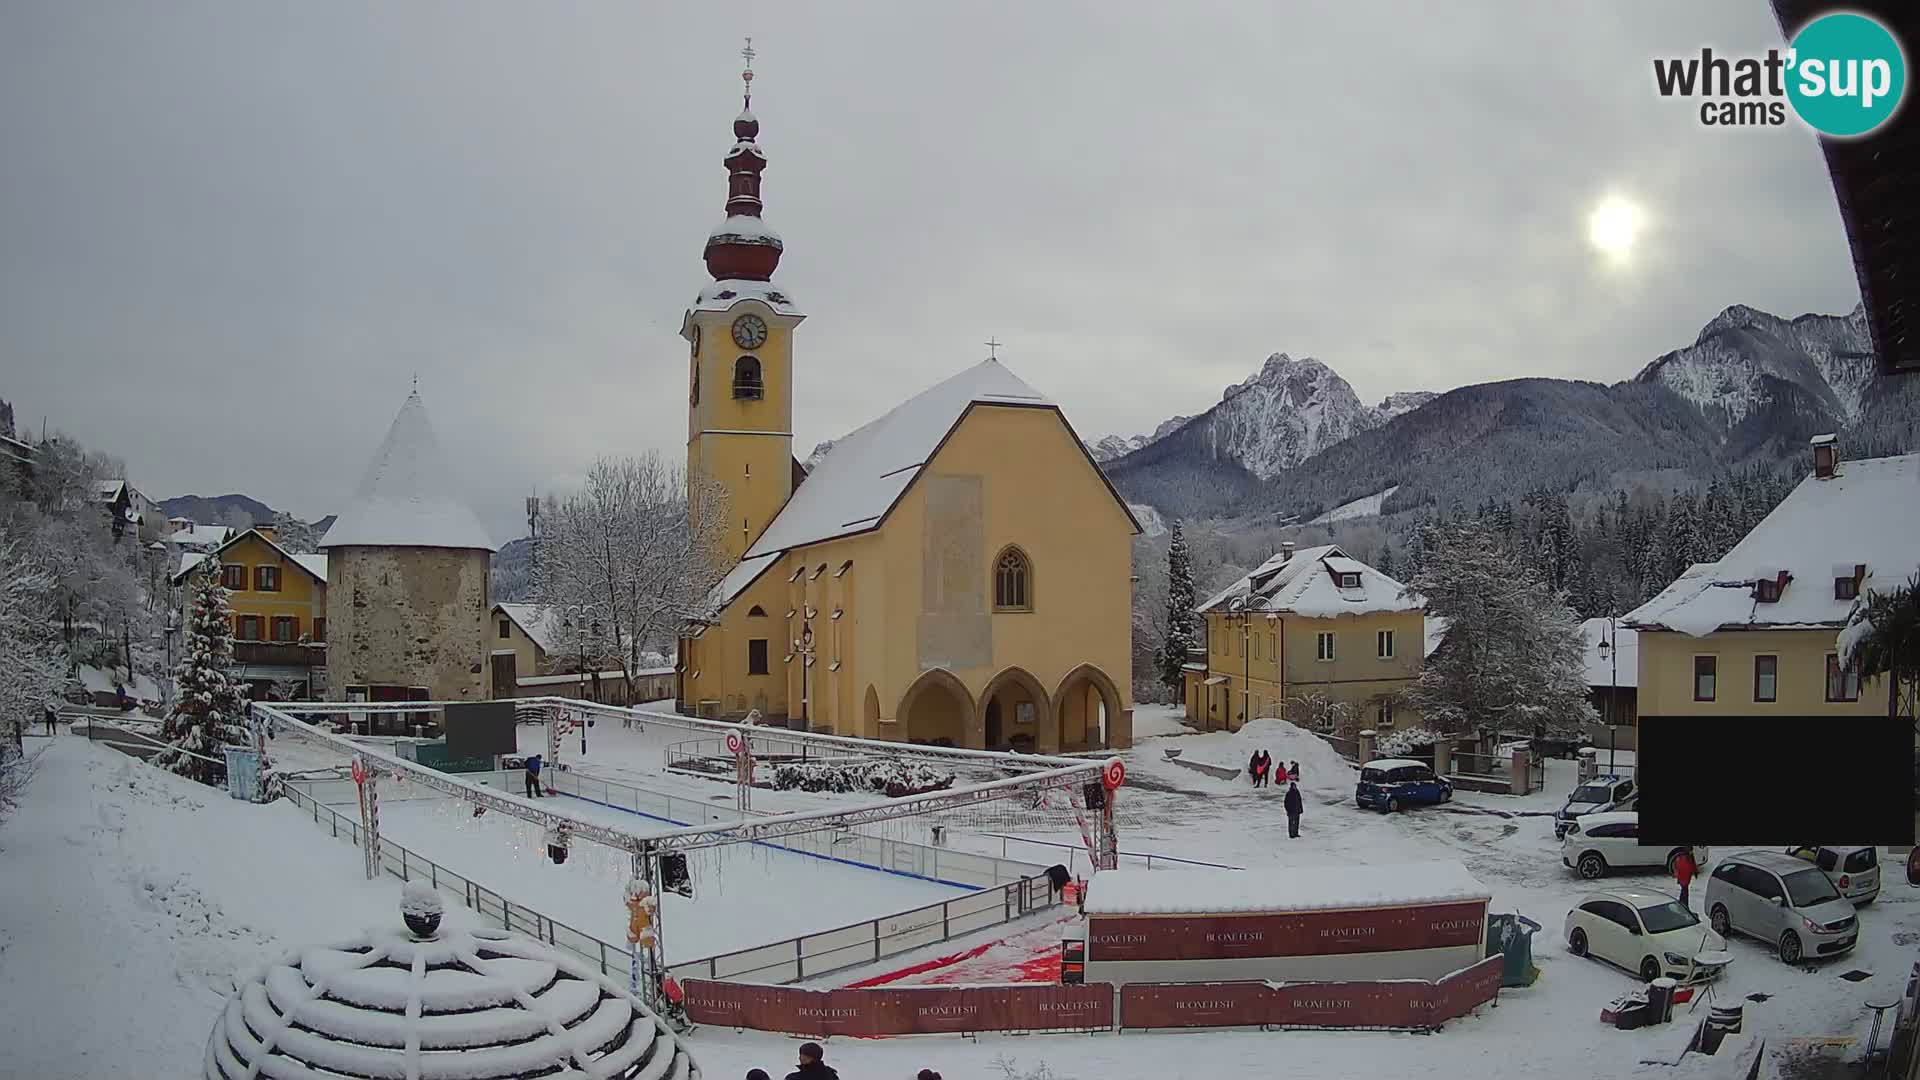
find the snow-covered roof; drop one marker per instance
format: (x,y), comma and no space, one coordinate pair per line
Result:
(188,560)
(1394,763)
(315,562)
(1131,891)
(1436,632)
(204,537)
(1305,584)
(478,1003)
(406,498)
(746,230)
(543,625)
(1867,514)
(110,489)
(1601,669)
(744,573)
(853,487)
(723,294)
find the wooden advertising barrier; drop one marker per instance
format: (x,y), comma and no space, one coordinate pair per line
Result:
(1411,1004)
(1304,933)
(932,1010)
(900,1010)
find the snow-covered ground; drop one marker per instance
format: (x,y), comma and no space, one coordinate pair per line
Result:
(1364,506)
(129,900)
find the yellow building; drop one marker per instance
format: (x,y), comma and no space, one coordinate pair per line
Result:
(1313,636)
(956,572)
(1755,633)
(279,604)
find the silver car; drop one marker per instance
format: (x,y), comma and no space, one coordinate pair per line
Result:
(1855,870)
(1782,900)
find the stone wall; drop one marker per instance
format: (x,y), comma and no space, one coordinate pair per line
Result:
(407,617)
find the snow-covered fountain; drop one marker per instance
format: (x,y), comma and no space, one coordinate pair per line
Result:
(447,1003)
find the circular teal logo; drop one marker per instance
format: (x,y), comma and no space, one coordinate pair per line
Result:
(1846,74)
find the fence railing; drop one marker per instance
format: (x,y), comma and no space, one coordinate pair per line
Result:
(1005,889)
(1345,747)
(1076,852)
(765,747)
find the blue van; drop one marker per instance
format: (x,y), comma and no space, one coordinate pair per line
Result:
(1389,784)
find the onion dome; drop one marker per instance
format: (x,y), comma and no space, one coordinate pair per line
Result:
(744,248)
(468,1004)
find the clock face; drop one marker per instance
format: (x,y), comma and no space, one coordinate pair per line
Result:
(749,332)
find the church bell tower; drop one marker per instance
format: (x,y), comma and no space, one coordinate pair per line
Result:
(740,337)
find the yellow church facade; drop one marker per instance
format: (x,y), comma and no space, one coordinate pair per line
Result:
(957,572)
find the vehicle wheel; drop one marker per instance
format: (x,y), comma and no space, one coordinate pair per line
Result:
(1393,806)
(1649,969)
(1592,866)
(1577,942)
(1360,804)
(1717,918)
(1446,795)
(1790,950)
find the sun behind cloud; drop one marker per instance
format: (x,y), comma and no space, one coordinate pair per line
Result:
(1614,226)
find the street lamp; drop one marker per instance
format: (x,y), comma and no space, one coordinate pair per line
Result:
(1610,651)
(803,648)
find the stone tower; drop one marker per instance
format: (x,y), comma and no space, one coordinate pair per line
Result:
(407,568)
(740,330)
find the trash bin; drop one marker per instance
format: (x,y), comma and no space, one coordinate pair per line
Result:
(1660,1000)
(1511,936)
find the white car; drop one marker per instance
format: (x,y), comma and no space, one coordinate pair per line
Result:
(1599,844)
(1648,933)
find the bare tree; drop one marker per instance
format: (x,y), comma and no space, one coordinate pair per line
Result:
(624,554)
(33,669)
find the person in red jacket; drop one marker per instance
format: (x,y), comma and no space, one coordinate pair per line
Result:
(1683,870)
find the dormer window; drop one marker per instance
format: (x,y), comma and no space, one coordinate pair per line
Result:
(746,379)
(1846,581)
(1349,581)
(1767,589)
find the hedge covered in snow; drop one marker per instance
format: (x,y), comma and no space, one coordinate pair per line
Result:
(894,778)
(1407,741)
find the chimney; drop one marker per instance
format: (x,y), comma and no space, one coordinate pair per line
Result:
(1826,456)
(1286,548)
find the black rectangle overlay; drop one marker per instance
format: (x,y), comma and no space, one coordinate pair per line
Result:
(1772,780)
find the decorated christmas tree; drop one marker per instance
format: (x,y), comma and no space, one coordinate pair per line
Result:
(209,712)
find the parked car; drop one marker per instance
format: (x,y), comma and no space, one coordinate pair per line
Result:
(1855,870)
(1598,795)
(1599,844)
(1648,933)
(1393,783)
(1780,899)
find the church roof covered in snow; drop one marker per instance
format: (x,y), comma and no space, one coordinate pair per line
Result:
(1307,582)
(1859,524)
(854,486)
(406,498)
(478,1004)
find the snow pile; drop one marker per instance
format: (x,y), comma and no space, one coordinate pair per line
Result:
(477,1004)
(1321,766)
(420,898)
(406,498)
(893,778)
(1130,891)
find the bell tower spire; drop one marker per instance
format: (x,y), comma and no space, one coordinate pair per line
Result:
(743,247)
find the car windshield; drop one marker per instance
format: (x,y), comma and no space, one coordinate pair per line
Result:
(1810,887)
(1661,918)
(1592,793)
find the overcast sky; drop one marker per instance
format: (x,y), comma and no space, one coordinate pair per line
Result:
(231,233)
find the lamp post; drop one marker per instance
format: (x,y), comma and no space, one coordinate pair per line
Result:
(803,648)
(1609,648)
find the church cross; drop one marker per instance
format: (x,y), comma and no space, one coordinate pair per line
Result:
(993,349)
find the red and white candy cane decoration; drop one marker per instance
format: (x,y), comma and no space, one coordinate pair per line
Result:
(734,742)
(1114,774)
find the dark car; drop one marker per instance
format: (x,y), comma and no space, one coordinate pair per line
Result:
(1391,784)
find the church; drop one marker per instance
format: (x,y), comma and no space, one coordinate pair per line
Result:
(958,572)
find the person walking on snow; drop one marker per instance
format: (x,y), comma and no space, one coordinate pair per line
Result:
(1293,771)
(53,715)
(1294,807)
(1253,768)
(811,1065)
(533,777)
(1683,870)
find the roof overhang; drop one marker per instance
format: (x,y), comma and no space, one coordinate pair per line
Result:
(1874,180)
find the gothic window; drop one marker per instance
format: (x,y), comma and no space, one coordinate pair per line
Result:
(746,378)
(756,612)
(1012,581)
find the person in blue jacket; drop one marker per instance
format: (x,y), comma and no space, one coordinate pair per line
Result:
(533,776)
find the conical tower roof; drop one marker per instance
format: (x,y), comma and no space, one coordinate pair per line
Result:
(406,498)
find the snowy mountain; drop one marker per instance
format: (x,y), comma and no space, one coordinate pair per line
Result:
(1742,358)
(1114,446)
(1293,443)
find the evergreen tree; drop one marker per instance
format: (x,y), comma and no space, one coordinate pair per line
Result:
(209,712)
(1180,603)
(1513,659)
